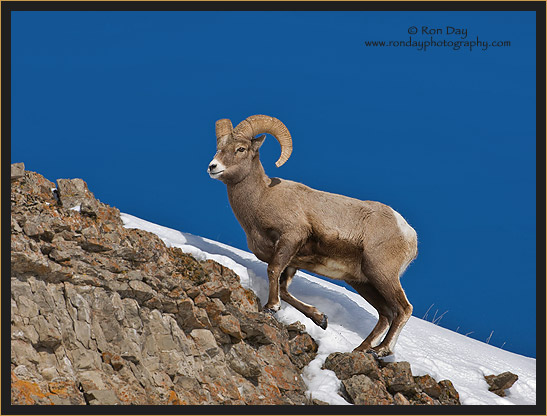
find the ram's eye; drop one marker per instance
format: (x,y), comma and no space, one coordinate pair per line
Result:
(241,149)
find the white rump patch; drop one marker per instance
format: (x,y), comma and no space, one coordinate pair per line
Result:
(407,231)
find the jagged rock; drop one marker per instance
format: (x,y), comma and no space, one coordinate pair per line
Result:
(59,256)
(33,229)
(348,364)
(400,400)
(102,397)
(243,359)
(205,341)
(261,329)
(215,309)
(429,386)
(141,291)
(230,325)
(190,317)
(279,371)
(17,171)
(114,360)
(449,395)
(48,335)
(31,190)
(72,192)
(216,289)
(421,398)
(244,299)
(303,349)
(365,391)
(89,207)
(498,384)
(296,328)
(398,378)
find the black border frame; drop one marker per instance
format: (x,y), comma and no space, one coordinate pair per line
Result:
(538,6)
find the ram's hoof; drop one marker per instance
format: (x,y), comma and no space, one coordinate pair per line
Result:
(381,352)
(269,311)
(323,322)
(374,353)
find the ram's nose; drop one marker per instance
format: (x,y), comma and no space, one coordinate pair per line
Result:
(215,169)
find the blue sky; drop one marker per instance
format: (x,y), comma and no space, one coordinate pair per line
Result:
(128,101)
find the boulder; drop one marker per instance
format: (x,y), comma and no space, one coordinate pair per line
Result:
(449,395)
(348,364)
(365,391)
(501,382)
(429,386)
(17,171)
(398,378)
(73,192)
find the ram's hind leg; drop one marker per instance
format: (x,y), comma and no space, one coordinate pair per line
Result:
(402,310)
(385,314)
(310,311)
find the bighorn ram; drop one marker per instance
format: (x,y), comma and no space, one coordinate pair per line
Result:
(291,226)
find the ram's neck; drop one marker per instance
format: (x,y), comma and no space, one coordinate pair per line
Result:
(245,195)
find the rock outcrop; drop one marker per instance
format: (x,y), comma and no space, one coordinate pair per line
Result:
(101,314)
(369,381)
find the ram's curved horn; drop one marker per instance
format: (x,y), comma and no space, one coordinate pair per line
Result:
(258,124)
(222,128)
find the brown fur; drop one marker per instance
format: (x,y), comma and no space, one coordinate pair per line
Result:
(291,226)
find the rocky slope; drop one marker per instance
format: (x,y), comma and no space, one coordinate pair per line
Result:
(106,315)
(101,314)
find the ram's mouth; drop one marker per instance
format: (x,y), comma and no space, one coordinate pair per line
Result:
(215,174)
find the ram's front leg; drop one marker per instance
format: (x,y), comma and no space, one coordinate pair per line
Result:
(274,301)
(285,249)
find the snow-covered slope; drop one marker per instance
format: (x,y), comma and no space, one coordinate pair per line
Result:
(429,348)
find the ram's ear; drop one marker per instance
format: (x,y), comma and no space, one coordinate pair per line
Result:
(257,142)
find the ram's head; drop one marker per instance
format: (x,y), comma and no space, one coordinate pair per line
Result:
(237,147)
